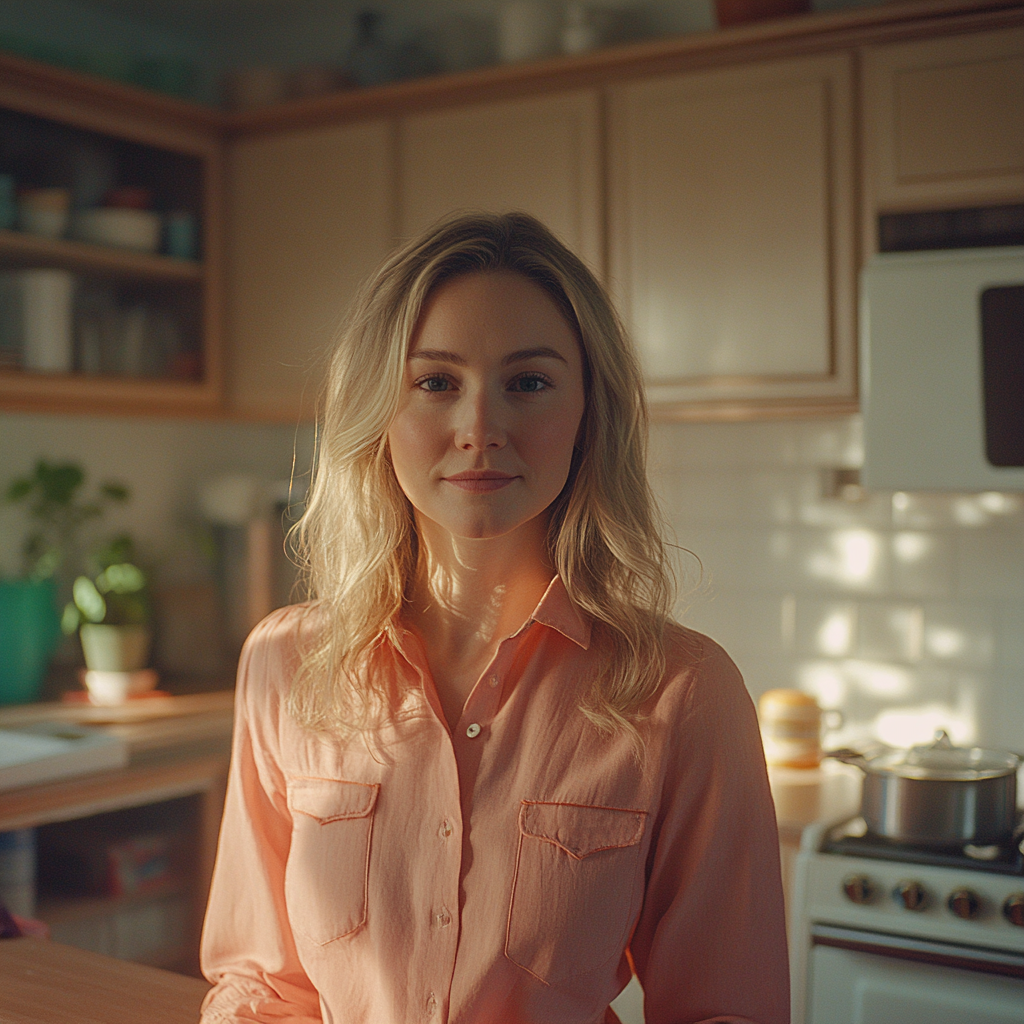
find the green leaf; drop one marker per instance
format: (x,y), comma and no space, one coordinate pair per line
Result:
(121,578)
(115,491)
(71,619)
(19,489)
(89,600)
(59,483)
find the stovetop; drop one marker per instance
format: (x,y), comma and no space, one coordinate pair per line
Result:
(852,839)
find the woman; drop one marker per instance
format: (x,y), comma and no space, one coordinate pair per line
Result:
(483,777)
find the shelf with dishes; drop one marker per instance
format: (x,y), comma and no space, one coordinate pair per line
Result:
(109,257)
(19,250)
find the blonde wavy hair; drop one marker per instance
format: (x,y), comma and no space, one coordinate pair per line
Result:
(357,540)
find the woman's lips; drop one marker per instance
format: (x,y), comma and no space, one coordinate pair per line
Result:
(480,481)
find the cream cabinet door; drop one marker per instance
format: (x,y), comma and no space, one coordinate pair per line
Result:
(944,123)
(311,213)
(539,154)
(731,242)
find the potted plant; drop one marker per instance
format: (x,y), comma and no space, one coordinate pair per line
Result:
(111,611)
(29,619)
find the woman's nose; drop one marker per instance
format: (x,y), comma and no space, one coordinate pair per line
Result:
(479,424)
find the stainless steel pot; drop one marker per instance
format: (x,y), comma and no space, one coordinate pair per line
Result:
(938,795)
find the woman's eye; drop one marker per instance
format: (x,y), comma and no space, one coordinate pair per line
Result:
(530,383)
(434,384)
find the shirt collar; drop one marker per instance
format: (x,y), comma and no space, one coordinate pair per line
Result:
(557,610)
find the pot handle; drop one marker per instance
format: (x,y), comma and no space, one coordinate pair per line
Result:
(847,756)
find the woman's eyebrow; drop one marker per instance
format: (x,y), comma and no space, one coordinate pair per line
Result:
(532,353)
(437,355)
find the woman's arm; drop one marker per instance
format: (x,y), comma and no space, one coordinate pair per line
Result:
(247,947)
(710,944)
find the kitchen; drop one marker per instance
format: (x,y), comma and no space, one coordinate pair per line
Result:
(903,609)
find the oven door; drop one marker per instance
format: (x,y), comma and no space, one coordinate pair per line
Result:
(859,977)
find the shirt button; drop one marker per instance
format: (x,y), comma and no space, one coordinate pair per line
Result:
(443,918)
(431,1004)
(494,680)
(446,829)
(473,731)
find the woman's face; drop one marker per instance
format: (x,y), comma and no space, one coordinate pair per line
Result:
(491,406)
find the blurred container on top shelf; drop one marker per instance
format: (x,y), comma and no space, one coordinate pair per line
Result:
(317,80)
(527,30)
(371,61)
(740,12)
(461,42)
(580,30)
(253,87)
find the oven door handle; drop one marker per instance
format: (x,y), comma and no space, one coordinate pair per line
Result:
(903,947)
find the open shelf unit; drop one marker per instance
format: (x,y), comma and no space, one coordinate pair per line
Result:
(58,129)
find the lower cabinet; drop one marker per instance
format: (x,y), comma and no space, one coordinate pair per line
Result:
(732,244)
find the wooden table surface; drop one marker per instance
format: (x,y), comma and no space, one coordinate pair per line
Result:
(46,983)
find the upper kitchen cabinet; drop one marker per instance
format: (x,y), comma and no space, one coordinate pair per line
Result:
(110,259)
(944,123)
(732,245)
(310,215)
(539,154)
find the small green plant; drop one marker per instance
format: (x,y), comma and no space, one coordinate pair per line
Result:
(52,493)
(116,595)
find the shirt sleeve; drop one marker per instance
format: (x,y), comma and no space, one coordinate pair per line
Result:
(710,944)
(247,951)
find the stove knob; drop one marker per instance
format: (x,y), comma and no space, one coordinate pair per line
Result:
(910,895)
(964,903)
(858,889)
(1013,909)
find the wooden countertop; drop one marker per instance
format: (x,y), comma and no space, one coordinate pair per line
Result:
(46,983)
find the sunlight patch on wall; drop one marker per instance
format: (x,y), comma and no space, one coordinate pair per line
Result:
(853,558)
(910,726)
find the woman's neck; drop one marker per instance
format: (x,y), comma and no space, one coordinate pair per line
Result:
(468,595)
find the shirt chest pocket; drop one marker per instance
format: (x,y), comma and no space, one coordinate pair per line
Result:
(325,879)
(577,888)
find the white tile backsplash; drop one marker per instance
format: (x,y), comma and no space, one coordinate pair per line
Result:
(904,610)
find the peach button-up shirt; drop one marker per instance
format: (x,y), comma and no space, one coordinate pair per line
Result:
(509,869)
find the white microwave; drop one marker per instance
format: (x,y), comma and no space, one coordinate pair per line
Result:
(942,370)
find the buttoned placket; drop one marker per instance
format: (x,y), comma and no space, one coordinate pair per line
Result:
(447,879)
(484,700)
(466,735)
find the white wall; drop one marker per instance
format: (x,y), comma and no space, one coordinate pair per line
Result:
(905,610)
(163,462)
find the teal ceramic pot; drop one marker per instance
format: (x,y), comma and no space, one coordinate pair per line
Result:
(29,634)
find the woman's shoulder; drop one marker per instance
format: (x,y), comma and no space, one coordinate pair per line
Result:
(273,650)
(698,670)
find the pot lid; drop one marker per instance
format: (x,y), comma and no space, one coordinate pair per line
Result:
(942,761)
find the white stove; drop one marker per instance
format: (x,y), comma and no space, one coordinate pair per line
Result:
(885,934)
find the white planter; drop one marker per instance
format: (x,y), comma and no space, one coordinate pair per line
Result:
(115,648)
